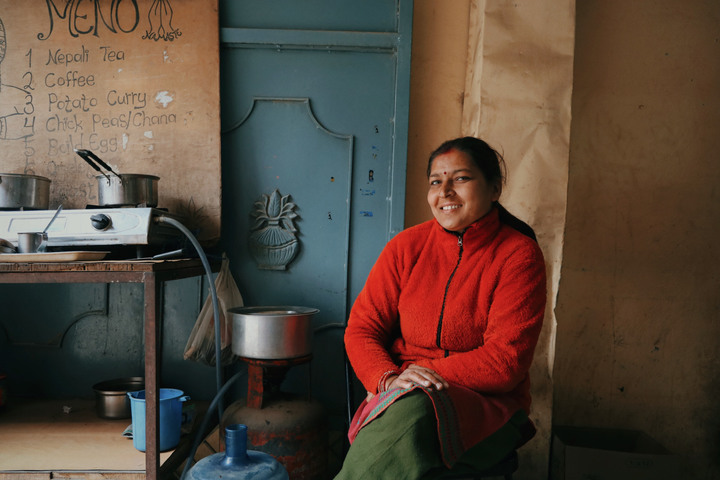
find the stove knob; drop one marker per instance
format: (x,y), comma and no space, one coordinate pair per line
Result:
(100,221)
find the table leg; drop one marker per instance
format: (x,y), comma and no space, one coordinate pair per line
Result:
(153,318)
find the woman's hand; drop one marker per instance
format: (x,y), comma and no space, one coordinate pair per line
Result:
(419,375)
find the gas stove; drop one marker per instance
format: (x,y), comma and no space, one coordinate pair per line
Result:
(95,227)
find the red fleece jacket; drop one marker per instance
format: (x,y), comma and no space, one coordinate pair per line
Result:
(468,306)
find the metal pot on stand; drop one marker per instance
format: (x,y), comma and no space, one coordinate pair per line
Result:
(291,427)
(272,332)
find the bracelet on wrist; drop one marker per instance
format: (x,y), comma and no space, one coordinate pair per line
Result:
(383,378)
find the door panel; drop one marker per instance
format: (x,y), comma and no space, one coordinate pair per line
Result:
(351,95)
(319,114)
(297,156)
(338,15)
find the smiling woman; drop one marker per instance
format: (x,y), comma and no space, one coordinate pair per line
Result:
(443,333)
(463,185)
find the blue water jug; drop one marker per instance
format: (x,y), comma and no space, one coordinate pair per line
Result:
(237,462)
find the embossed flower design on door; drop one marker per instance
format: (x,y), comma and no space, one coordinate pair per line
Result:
(273,243)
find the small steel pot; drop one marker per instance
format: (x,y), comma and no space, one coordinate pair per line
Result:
(127,189)
(30,192)
(272,333)
(111,400)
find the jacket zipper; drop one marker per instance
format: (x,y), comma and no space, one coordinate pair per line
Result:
(447,287)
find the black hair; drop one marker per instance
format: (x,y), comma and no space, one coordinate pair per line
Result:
(487,159)
(492,165)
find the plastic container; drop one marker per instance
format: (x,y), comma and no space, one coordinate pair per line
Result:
(169,413)
(237,462)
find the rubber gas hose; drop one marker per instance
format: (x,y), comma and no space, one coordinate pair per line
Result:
(213,293)
(204,425)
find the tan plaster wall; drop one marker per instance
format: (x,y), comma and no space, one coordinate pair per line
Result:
(437,86)
(517,95)
(639,299)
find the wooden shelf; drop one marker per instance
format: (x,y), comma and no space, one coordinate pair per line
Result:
(65,435)
(66,440)
(152,274)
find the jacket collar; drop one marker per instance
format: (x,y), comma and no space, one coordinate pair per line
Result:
(482,230)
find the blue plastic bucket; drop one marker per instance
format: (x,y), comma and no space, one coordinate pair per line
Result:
(170,415)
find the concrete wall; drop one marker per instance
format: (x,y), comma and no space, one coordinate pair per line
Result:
(639,299)
(437,85)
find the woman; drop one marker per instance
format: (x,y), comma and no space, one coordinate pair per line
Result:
(443,333)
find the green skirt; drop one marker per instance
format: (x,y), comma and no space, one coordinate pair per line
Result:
(402,443)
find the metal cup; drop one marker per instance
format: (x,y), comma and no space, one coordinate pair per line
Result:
(32,242)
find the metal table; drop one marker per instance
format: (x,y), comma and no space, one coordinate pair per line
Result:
(152,274)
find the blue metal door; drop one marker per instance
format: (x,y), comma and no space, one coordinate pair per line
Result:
(314,114)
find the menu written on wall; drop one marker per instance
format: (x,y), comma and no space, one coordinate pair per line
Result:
(134,81)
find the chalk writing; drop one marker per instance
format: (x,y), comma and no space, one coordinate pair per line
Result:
(64,124)
(64,103)
(29,119)
(110,55)
(17,114)
(72,121)
(160,18)
(59,57)
(131,119)
(85,17)
(3,41)
(65,146)
(71,78)
(136,99)
(77,74)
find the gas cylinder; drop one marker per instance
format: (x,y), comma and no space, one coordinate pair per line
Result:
(291,428)
(237,462)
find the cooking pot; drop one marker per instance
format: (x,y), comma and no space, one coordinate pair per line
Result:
(121,190)
(111,400)
(272,333)
(127,189)
(30,192)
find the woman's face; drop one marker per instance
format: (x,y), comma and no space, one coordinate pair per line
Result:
(458,193)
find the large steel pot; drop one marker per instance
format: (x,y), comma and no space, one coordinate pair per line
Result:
(127,189)
(111,400)
(30,192)
(272,333)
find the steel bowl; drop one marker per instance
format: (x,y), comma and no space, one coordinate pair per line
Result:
(272,333)
(6,246)
(111,400)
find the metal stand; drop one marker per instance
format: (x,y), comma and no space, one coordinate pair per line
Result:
(265,377)
(152,274)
